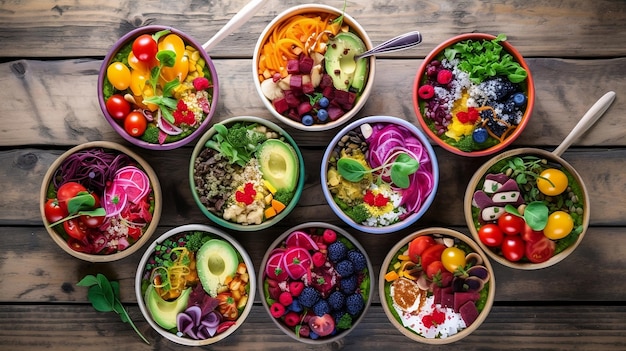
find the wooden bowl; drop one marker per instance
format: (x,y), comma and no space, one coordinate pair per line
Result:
(57,233)
(581,219)
(487,294)
(492,145)
(298,121)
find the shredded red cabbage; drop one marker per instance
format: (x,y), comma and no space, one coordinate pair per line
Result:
(387,139)
(92,168)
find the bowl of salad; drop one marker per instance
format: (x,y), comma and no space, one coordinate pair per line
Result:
(527,208)
(246,173)
(195,285)
(304,68)
(100,201)
(379,174)
(436,286)
(316,282)
(474,94)
(158,88)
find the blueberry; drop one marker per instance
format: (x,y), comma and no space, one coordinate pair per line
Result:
(519,99)
(480,135)
(322,115)
(324,102)
(307,120)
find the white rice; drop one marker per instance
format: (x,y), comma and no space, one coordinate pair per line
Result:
(452,324)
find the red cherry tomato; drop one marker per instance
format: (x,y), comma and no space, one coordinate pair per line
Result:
(418,245)
(432,254)
(513,248)
(68,191)
(529,235)
(145,48)
(511,224)
(75,228)
(490,235)
(93,221)
(135,123)
(78,245)
(540,250)
(434,269)
(53,211)
(117,106)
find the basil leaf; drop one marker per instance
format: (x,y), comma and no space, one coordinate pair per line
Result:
(82,201)
(350,169)
(536,215)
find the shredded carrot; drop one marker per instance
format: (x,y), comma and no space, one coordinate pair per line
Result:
(299,34)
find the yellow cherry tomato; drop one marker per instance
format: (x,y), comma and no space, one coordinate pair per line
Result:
(138,81)
(453,258)
(180,70)
(552,182)
(119,75)
(137,65)
(173,42)
(559,225)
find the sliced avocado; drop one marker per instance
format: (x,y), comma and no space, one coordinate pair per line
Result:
(216,260)
(164,312)
(279,164)
(340,64)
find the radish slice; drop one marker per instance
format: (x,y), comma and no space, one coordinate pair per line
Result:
(134,181)
(114,199)
(166,127)
(301,239)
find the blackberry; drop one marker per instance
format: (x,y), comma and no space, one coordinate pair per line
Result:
(308,297)
(355,304)
(336,300)
(502,87)
(337,251)
(321,308)
(349,284)
(345,268)
(496,127)
(357,259)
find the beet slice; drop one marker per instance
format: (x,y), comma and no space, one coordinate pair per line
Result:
(293,66)
(468,312)
(447,299)
(461,298)
(305,64)
(280,105)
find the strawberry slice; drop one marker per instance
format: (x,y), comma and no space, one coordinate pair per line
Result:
(275,268)
(301,239)
(134,181)
(297,261)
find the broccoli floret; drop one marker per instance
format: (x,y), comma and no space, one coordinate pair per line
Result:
(466,144)
(195,240)
(283,196)
(245,136)
(358,213)
(151,135)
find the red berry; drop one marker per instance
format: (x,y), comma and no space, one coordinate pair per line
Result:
(295,288)
(277,310)
(444,77)
(319,259)
(292,318)
(426,92)
(329,236)
(285,298)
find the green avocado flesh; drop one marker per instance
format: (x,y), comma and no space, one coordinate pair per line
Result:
(340,64)
(215,261)
(279,164)
(164,312)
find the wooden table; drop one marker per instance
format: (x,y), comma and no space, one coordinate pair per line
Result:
(51,54)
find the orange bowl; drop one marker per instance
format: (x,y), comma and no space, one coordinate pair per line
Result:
(469,113)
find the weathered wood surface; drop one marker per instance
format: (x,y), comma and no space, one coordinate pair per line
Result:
(52,52)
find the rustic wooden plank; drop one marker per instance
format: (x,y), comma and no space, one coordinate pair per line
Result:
(601,169)
(87,28)
(79,327)
(35,270)
(55,102)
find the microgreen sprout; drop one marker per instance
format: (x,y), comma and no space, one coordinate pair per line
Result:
(522,168)
(399,169)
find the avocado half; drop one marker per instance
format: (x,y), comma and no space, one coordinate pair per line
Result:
(215,261)
(346,72)
(279,164)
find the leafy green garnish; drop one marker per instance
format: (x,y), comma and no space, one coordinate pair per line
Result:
(486,58)
(400,169)
(535,214)
(81,204)
(104,297)
(238,142)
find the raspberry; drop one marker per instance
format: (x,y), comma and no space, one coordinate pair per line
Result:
(295,288)
(426,92)
(337,251)
(329,236)
(355,304)
(345,268)
(358,260)
(444,77)
(292,319)
(277,310)
(318,259)
(285,298)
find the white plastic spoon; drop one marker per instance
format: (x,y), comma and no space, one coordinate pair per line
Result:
(240,18)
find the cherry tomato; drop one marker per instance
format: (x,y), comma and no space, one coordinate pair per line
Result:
(117,106)
(53,211)
(119,75)
(434,269)
(227,306)
(540,250)
(78,245)
(135,123)
(552,182)
(145,48)
(432,254)
(513,248)
(530,235)
(511,224)
(323,325)
(453,258)
(418,245)
(559,225)
(491,235)
(75,228)
(67,191)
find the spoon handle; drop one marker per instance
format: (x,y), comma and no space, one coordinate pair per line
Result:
(240,18)
(400,42)
(591,116)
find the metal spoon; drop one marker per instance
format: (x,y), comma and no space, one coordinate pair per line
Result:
(398,43)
